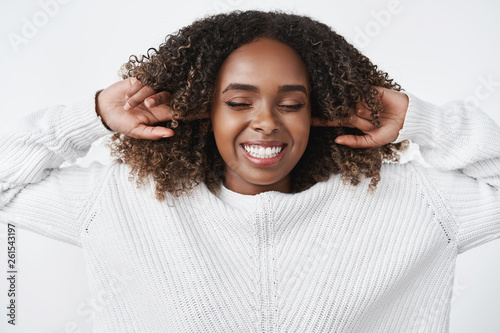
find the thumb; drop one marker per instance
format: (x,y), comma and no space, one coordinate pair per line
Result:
(356,141)
(151,132)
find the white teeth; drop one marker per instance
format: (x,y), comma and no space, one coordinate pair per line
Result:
(261,152)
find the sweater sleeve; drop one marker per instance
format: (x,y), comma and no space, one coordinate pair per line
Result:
(461,144)
(35,192)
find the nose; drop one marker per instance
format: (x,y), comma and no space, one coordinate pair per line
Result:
(266,121)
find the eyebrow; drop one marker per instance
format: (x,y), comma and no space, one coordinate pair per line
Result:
(241,86)
(252,88)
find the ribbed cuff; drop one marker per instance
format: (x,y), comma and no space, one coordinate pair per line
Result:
(80,124)
(423,122)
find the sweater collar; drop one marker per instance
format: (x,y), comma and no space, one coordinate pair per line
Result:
(249,202)
(236,199)
(245,201)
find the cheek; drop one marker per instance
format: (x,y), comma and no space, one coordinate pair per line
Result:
(226,130)
(304,137)
(300,130)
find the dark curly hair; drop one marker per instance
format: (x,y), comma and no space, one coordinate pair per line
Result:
(186,65)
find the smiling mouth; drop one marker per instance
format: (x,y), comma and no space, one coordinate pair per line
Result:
(263,152)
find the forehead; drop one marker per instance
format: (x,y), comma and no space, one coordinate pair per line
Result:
(264,62)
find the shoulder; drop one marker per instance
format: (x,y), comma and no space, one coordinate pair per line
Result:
(415,182)
(121,176)
(415,173)
(123,179)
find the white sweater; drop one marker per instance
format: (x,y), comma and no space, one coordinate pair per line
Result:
(334,258)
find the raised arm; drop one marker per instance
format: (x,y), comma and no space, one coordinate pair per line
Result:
(35,193)
(461,146)
(456,136)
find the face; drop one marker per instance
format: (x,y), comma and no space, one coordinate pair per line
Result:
(261,116)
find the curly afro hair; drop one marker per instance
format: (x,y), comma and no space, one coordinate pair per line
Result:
(186,65)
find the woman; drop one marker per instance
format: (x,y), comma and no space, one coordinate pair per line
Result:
(244,221)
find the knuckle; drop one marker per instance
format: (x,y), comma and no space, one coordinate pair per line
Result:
(137,82)
(133,101)
(142,118)
(157,99)
(163,96)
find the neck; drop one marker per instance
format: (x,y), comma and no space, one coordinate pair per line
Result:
(247,188)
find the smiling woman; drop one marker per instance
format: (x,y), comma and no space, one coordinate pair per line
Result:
(256,137)
(261,126)
(261,51)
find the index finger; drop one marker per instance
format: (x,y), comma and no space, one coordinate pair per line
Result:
(134,88)
(139,97)
(158,99)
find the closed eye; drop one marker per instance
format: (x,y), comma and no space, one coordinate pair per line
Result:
(293,106)
(234,104)
(283,106)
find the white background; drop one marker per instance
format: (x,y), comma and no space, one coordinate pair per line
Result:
(439,51)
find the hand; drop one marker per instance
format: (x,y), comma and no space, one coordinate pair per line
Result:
(391,119)
(136,120)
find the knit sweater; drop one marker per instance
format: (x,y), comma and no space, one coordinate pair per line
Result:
(333,258)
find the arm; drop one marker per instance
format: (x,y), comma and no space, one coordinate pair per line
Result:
(455,137)
(462,144)
(35,193)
